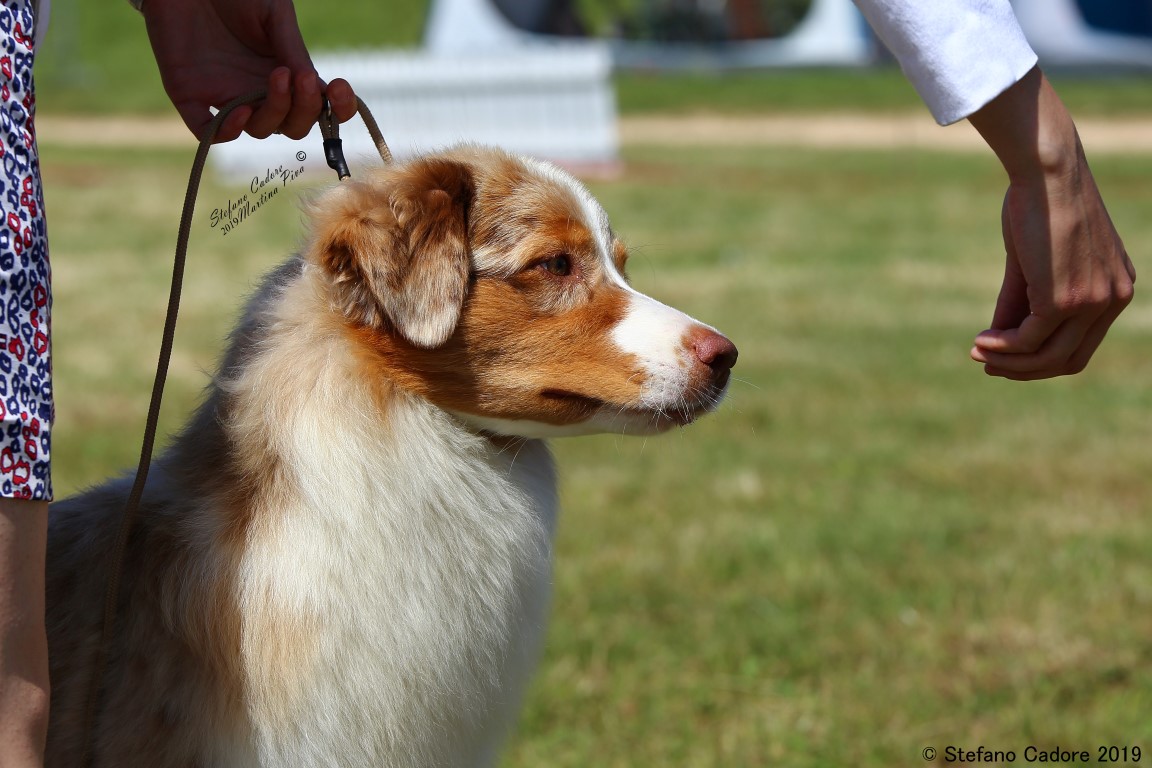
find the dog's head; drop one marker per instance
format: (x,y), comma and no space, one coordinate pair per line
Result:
(495,287)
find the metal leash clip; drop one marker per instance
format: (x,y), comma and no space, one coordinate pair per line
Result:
(333,146)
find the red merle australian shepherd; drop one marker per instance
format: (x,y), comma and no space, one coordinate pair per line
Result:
(344,558)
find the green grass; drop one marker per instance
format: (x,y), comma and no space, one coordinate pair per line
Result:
(871,549)
(874,548)
(881,89)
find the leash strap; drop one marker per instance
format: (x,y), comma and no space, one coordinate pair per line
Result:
(333,146)
(329,127)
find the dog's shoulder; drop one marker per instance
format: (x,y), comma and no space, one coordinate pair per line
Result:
(254,319)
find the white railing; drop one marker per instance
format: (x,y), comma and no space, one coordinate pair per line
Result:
(554,102)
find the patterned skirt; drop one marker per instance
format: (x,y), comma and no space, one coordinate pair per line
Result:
(26,410)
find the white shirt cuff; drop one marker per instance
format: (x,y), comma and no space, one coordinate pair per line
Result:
(959,55)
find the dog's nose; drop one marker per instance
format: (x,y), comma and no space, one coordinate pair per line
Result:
(716,352)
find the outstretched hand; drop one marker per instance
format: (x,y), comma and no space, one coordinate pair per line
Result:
(1067,276)
(212,51)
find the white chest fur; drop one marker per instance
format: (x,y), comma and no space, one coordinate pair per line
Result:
(394,598)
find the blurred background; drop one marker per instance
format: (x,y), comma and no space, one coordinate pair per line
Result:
(872,548)
(99,61)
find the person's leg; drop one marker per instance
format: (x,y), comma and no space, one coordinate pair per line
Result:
(24,692)
(26,411)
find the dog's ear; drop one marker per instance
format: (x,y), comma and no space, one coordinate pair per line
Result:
(397,248)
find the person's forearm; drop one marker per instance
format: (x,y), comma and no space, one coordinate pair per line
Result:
(24,689)
(1030,130)
(1067,275)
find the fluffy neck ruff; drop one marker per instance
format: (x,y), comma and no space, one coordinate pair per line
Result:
(393,566)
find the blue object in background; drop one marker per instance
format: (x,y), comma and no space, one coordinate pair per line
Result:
(1126,17)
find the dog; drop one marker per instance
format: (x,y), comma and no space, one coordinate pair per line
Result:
(344,558)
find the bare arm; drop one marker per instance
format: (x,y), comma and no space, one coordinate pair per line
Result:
(24,691)
(1067,275)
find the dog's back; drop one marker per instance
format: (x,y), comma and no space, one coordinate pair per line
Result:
(155,678)
(167,702)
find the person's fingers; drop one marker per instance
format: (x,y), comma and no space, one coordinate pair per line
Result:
(1067,352)
(306,102)
(268,117)
(1012,307)
(1067,347)
(1012,304)
(1026,339)
(1091,342)
(342,98)
(234,124)
(302,85)
(195,116)
(286,109)
(1009,366)
(1095,335)
(1052,354)
(1017,376)
(198,117)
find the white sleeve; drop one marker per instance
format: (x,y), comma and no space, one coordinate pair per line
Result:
(959,54)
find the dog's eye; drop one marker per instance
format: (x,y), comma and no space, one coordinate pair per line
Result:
(559,265)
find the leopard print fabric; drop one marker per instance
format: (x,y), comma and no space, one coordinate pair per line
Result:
(26,409)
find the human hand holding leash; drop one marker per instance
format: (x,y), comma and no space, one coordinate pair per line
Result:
(1067,276)
(211,51)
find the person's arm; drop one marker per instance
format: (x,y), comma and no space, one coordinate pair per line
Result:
(1067,276)
(24,690)
(211,51)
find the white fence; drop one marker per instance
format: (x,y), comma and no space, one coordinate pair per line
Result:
(554,102)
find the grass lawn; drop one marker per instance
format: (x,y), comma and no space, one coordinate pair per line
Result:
(871,549)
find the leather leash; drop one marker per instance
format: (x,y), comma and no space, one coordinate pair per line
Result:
(334,154)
